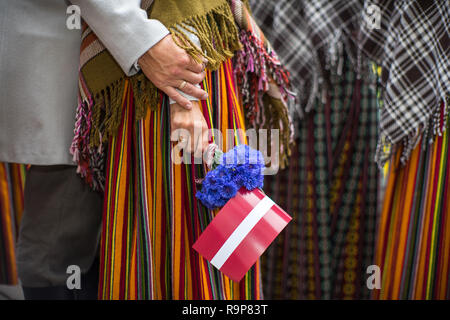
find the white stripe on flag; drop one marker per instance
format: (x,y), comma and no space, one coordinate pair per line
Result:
(241,232)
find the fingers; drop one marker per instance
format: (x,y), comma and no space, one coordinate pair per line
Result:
(194,143)
(203,143)
(181,136)
(177,97)
(190,130)
(188,89)
(195,66)
(194,91)
(192,77)
(178,75)
(191,142)
(201,140)
(185,62)
(167,66)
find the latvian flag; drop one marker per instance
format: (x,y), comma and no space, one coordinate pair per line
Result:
(241,232)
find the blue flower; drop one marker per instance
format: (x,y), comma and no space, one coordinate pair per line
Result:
(254,169)
(251,182)
(238,174)
(240,167)
(202,197)
(238,155)
(211,179)
(222,173)
(228,190)
(221,202)
(209,198)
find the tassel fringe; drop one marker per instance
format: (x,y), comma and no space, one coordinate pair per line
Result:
(217,32)
(435,127)
(218,35)
(256,67)
(99,115)
(278,114)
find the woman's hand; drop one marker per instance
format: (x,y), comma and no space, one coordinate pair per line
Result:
(169,67)
(189,128)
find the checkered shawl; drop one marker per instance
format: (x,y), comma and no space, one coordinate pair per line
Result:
(411,45)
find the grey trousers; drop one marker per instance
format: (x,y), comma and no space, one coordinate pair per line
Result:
(60,226)
(8,292)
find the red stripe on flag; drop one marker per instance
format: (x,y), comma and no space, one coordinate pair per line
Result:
(223,225)
(255,243)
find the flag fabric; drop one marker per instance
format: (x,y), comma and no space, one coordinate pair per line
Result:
(241,232)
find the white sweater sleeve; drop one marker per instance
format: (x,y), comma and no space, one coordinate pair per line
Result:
(123,27)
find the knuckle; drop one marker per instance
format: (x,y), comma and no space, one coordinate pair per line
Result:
(172,95)
(189,89)
(184,59)
(178,99)
(198,124)
(197,68)
(166,90)
(157,82)
(175,71)
(198,79)
(177,123)
(187,124)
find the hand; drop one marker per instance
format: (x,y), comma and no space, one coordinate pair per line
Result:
(169,67)
(189,128)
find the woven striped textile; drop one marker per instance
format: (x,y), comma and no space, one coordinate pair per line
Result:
(413,239)
(151,217)
(411,43)
(331,189)
(12,179)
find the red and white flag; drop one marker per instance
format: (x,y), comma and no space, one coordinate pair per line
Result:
(241,232)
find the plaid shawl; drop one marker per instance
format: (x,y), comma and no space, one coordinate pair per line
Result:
(411,45)
(331,188)
(263,81)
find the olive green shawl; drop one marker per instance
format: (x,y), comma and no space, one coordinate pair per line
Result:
(225,29)
(102,80)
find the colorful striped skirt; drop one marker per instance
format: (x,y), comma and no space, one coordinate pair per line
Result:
(151,217)
(12,179)
(413,242)
(331,189)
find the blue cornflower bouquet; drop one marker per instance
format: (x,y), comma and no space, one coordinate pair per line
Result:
(240,167)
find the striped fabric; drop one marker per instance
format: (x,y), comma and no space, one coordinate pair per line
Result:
(151,216)
(258,68)
(411,43)
(245,21)
(91,46)
(331,189)
(413,243)
(12,178)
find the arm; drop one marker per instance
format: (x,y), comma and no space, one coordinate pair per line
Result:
(123,27)
(128,34)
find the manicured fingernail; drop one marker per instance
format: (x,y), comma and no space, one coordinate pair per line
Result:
(189,105)
(205,96)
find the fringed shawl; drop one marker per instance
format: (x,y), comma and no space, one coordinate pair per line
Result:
(102,81)
(410,42)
